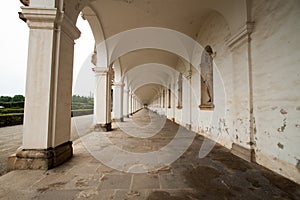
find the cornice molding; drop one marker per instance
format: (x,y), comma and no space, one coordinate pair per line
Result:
(242,36)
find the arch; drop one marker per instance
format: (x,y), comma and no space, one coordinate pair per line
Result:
(233,11)
(149,73)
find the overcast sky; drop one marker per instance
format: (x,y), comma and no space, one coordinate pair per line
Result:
(14,44)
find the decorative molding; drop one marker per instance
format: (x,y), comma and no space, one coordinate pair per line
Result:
(242,36)
(188,76)
(101,71)
(69,27)
(118,84)
(39,18)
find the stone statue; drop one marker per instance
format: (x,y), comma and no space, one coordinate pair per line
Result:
(207,76)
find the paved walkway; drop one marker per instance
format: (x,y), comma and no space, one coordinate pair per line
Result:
(11,137)
(135,161)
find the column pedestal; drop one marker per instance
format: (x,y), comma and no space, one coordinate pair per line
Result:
(103,127)
(40,158)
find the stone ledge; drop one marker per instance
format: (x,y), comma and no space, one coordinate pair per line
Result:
(40,158)
(207,107)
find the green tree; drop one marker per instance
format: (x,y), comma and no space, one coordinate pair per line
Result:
(18,98)
(5,99)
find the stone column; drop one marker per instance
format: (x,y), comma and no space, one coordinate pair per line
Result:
(133,104)
(118,101)
(102,102)
(126,103)
(130,103)
(47,120)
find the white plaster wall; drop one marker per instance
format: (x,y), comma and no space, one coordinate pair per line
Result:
(276,81)
(217,124)
(275,58)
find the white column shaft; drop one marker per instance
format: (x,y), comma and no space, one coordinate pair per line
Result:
(126,103)
(118,101)
(102,102)
(49,78)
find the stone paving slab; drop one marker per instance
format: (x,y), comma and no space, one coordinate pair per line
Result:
(220,175)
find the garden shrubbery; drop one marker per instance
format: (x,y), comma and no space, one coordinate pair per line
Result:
(11,119)
(12,109)
(82,112)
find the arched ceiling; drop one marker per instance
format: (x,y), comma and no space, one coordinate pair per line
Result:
(146,80)
(136,58)
(146,93)
(184,16)
(181,15)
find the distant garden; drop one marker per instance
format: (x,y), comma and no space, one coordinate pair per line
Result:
(12,108)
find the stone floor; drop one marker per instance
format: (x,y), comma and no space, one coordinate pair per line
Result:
(146,157)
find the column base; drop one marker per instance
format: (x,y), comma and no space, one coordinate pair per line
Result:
(242,152)
(188,126)
(103,127)
(119,120)
(40,158)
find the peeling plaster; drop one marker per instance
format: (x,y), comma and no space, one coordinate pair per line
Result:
(274,108)
(281,146)
(282,128)
(282,111)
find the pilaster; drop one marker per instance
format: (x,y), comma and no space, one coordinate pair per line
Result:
(240,46)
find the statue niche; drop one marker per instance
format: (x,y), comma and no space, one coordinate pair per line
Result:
(206,70)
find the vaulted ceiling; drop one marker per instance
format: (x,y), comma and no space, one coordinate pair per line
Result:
(111,17)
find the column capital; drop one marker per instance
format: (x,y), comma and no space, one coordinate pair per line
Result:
(39,18)
(118,84)
(46,18)
(242,36)
(101,71)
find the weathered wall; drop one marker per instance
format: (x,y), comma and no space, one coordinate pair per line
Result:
(273,57)
(276,84)
(215,124)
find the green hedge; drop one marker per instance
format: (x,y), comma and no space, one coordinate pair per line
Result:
(82,112)
(12,104)
(11,119)
(11,110)
(80,106)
